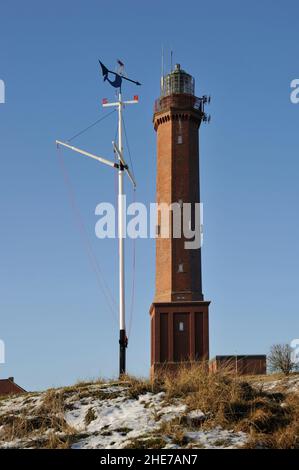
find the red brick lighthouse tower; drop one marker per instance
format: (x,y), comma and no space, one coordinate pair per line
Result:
(179,314)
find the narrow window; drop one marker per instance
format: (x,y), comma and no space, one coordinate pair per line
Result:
(181,326)
(180,139)
(181,268)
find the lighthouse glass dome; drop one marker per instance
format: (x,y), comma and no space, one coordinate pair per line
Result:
(177,82)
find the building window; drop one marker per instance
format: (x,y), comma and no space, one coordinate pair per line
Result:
(158,231)
(180,139)
(181,326)
(180,268)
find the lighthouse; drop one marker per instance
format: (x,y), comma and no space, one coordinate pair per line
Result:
(179,314)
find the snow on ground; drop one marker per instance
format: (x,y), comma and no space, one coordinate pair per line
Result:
(13,405)
(110,416)
(218,438)
(120,419)
(107,417)
(286,384)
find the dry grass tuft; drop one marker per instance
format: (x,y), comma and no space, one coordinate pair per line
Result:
(82,386)
(137,387)
(285,433)
(229,401)
(53,402)
(49,422)
(151,442)
(90,416)
(174,431)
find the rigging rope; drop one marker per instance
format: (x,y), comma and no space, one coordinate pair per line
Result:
(84,236)
(91,125)
(133,279)
(128,147)
(115,205)
(95,265)
(134,241)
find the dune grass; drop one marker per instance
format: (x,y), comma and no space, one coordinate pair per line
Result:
(233,402)
(271,419)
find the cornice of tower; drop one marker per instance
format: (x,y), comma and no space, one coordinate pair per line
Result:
(176,114)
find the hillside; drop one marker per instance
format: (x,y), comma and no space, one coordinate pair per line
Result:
(199,410)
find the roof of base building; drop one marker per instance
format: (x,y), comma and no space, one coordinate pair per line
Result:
(9,387)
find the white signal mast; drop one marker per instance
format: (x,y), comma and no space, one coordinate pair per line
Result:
(121,166)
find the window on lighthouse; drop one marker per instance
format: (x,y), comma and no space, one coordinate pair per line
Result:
(180,136)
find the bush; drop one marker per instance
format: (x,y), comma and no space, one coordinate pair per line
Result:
(280,359)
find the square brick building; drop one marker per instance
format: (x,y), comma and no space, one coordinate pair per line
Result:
(240,364)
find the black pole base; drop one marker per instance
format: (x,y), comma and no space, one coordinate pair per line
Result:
(123,343)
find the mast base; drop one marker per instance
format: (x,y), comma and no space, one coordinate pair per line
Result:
(123,343)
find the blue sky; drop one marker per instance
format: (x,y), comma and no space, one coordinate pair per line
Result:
(54,319)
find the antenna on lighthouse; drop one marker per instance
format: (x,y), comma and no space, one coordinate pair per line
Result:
(121,167)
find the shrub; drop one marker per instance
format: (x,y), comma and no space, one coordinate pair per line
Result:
(280,359)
